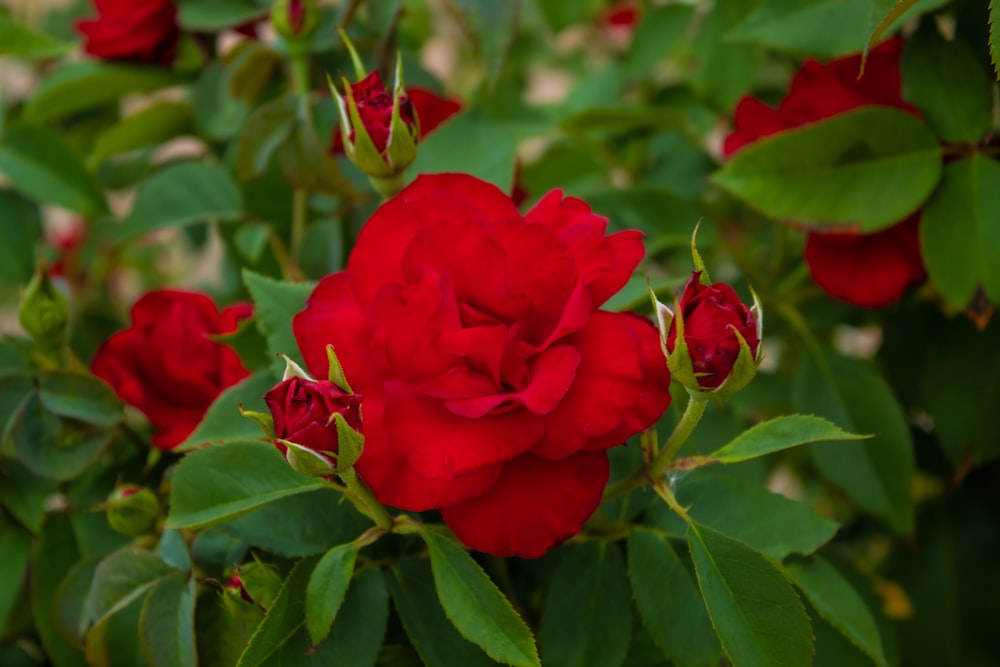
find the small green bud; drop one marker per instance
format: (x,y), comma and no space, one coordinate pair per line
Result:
(295,20)
(44,312)
(133,510)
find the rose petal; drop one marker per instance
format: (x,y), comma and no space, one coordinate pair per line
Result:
(533,506)
(332,317)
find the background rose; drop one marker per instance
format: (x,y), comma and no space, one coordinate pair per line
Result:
(302,411)
(492,383)
(167,365)
(133,30)
(869,270)
(712,315)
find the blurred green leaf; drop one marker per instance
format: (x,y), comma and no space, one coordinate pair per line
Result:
(218,113)
(669,603)
(960,231)
(22,231)
(24,494)
(82,86)
(223,421)
(54,554)
(166,623)
(866,169)
(723,69)
(431,633)
(38,162)
(469,144)
(285,617)
(70,601)
(995,37)
(52,447)
(754,609)
(327,588)
(322,249)
(561,14)
(275,304)
(946,82)
(152,126)
(877,473)
(15,547)
(780,433)
(491,27)
(17,40)
(214,15)
(222,482)
(587,617)
(181,194)
(809,27)
(657,36)
(121,578)
(837,601)
(82,397)
(475,606)
(266,129)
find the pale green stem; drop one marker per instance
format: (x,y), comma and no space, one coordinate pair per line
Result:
(376,511)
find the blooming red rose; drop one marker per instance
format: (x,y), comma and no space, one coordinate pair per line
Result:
(166,363)
(492,383)
(868,270)
(303,412)
(132,30)
(430,108)
(712,315)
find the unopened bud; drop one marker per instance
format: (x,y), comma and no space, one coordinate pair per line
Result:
(133,510)
(44,312)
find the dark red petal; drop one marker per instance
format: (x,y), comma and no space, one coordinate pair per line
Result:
(753,120)
(870,270)
(432,109)
(534,505)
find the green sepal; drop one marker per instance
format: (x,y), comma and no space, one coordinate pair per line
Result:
(265,421)
(359,68)
(307,461)
(744,369)
(350,443)
(44,313)
(336,374)
(401,147)
(664,316)
(293,370)
(679,361)
(699,263)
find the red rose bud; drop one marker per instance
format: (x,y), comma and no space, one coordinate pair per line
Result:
(317,425)
(142,31)
(720,337)
(295,20)
(378,128)
(132,510)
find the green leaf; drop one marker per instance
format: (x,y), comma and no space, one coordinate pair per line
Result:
(215,15)
(327,587)
(777,434)
(657,36)
(837,601)
(432,635)
(669,603)
(120,579)
(746,511)
(587,617)
(218,114)
(17,40)
(222,482)
(491,27)
(995,37)
(475,606)
(82,397)
(54,554)
(283,619)
(877,473)
(808,27)
(152,126)
(181,194)
(469,144)
(22,231)
(70,601)
(275,304)
(946,82)
(223,422)
(166,623)
(867,168)
(754,609)
(52,447)
(265,131)
(960,232)
(15,546)
(24,494)
(38,162)
(81,86)
(725,69)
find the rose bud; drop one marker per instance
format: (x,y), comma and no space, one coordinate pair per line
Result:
(44,313)
(255,582)
(313,421)
(379,130)
(295,20)
(140,31)
(132,510)
(719,337)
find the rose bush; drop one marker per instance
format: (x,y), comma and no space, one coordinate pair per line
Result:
(132,30)
(492,383)
(867,270)
(166,363)
(303,413)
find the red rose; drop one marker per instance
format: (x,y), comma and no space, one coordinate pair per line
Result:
(167,365)
(132,30)
(303,411)
(712,316)
(492,383)
(430,108)
(868,270)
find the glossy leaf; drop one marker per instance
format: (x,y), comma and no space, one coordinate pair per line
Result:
(754,609)
(876,473)
(587,618)
(81,397)
(222,482)
(285,617)
(38,162)
(223,422)
(52,447)
(327,588)
(121,578)
(475,606)
(837,601)
(960,231)
(275,304)
(669,602)
(867,168)
(182,194)
(777,434)
(166,623)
